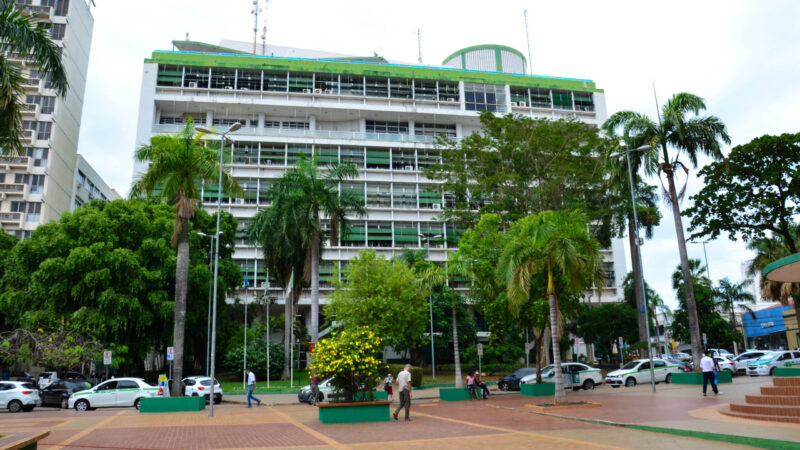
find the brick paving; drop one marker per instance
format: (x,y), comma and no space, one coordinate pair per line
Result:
(503,421)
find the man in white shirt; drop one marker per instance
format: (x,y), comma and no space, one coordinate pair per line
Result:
(251,385)
(404,391)
(707,365)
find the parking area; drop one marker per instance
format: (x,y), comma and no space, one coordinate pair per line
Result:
(501,421)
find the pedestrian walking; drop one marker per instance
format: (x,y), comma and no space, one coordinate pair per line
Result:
(251,384)
(481,386)
(707,366)
(471,386)
(314,383)
(404,391)
(387,386)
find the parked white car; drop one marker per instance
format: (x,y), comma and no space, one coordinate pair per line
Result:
(721,352)
(197,386)
(767,363)
(47,378)
(304,395)
(114,392)
(19,396)
(576,376)
(638,371)
(726,364)
(743,359)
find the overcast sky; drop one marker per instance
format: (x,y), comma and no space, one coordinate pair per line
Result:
(743,57)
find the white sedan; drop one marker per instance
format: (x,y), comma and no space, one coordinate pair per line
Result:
(726,364)
(638,371)
(576,376)
(18,396)
(743,359)
(114,392)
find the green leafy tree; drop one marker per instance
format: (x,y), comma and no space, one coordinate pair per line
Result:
(603,324)
(30,41)
(178,166)
(687,136)
(731,295)
(256,358)
(555,243)
(382,295)
(655,305)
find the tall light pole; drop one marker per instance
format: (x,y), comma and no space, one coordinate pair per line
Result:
(430,298)
(639,251)
(222,139)
(210,269)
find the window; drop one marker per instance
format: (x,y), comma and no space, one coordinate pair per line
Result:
(222,78)
(293,153)
(355,236)
(107,386)
(81,178)
(659,364)
(379,234)
(403,159)
(326,154)
(33,210)
(434,129)
(352,85)
(273,154)
(328,83)
(127,384)
(21,178)
(250,188)
(484,97)
(61,7)
(169,75)
(427,158)
(354,155)
(43,130)
(448,91)
(425,89)
(275,81)
(583,101)
(431,229)
(195,77)
(519,96)
(245,152)
(387,127)
(46,103)
(17,206)
(540,98)
(228,122)
(354,190)
(78,203)
(379,195)
(166,120)
(295,125)
(430,197)
(562,100)
(406,235)
(400,88)
(405,196)
(39,156)
(301,82)
(377,87)
(608,269)
(378,158)
(36,184)
(248,80)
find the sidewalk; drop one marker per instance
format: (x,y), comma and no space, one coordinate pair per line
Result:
(291,399)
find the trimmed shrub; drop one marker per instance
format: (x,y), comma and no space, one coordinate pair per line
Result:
(416,376)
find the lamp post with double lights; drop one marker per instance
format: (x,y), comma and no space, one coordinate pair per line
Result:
(210,269)
(222,138)
(638,241)
(430,298)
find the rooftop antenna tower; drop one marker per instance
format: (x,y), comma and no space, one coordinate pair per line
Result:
(419,45)
(528,38)
(255,12)
(264,31)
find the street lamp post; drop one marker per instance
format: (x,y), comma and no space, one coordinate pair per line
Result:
(222,138)
(430,299)
(639,251)
(210,269)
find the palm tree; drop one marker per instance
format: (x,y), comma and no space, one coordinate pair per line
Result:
(178,165)
(730,295)
(558,244)
(22,36)
(690,136)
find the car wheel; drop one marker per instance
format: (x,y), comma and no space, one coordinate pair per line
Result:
(630,382)
(615,386)
(82,405)
(668,379)
(194,394)
(64,403)
(15,406)
(771,371)
(28,408)
(588,385)
(136,403)
(503,386)
(217,401)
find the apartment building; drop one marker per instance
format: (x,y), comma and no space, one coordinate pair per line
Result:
(88,185)
(38,186)
(381,116)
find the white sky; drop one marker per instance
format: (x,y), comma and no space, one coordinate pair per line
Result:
(743,57)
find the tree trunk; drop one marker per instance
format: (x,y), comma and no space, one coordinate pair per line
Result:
(548,337)
(540,358)
(181,286)
(638,283)
(658,334)
(315,244)
(456,355)
(688,286)
(560,397)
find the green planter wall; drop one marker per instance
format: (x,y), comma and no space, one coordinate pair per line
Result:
(377,411)
(697,377)
(537,390)
(787,372)
(453,394)
(171,404)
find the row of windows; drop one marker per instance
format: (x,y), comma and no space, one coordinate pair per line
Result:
(91,188)
(38,154)
(35,182)
(32,210)
(41,130)
(47,103)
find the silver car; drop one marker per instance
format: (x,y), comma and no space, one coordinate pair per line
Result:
(19,396)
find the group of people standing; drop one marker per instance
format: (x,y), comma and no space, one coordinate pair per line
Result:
(477,388)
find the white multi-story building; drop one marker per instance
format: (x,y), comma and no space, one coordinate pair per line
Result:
(38,187)
(88,185)
(381,116)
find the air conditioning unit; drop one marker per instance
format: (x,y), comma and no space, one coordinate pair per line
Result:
(451,99)
(306,91)
(408,167)
(230,88)
(318,91)
(240,201)
(268,162)
(522,104)
(328,91)
(193,84)
(437,206)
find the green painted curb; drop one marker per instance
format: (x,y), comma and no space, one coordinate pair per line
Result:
(786,372)
(454,394)
(537,390)
(344,413)
(696,378)
(171,404)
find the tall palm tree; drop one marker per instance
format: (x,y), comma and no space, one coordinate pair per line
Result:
(312,195)
(178,165)
(730,295)
(689,136)
(24,38)
(557,243)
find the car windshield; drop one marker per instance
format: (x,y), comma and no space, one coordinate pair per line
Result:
(28,386)
(630,365)
(768,357)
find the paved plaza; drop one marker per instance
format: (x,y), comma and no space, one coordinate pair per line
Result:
(502,421)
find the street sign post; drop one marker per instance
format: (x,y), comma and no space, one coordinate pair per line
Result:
(170,358)
(621,359)
(107,360)
(480,353)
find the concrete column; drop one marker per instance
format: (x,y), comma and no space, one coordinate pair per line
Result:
(362,125)
(260,121)
(209,118)
(459,131)
(312,123)
(508,98)
(410,127)
(461,97)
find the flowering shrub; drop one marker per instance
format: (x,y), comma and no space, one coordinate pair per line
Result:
(349,357)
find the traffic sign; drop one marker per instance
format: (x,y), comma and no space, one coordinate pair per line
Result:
(480,349)
(170,353)
(107,357)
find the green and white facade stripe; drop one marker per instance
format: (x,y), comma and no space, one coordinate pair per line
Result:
(383,117)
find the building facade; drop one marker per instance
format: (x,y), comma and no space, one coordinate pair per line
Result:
(88,185)
(38,187)
(381,116)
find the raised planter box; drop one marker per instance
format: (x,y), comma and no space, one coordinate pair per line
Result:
(787,371)
(171,404)
(537,390)
(453,394)
(356,412)
(696,378)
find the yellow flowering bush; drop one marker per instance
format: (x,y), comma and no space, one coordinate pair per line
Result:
(350,358)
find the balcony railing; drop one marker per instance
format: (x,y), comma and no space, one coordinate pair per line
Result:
(316,134)
(28,108)
(12,188)
(10,217)
(36,10)
(14,160)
